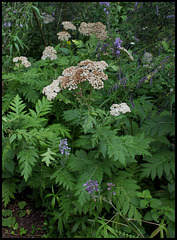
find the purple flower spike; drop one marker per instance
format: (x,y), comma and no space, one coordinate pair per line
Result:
(91,186)
(63,147)
(117,44)
(110,186)
(107,5)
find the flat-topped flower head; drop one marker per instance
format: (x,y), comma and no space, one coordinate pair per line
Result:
(47,18)
(87,70)
(64,35)
(117,109)
(49,52)
(24,61)
(68,25)
(97,28)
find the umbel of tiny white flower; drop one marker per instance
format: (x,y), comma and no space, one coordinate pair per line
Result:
(68,25)
(87,70)
(50,53)
(64,35)
(24,61)
(117,109)
(47,18)
(96,28)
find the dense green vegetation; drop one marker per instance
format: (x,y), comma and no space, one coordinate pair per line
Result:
(97,152)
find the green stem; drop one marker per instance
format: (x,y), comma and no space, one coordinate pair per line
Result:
(127,221)
(43,37)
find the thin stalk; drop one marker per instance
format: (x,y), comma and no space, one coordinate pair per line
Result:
(125,219)
(43,37)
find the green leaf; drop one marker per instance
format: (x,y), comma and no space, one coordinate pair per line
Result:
(60,129)
(48,157)
(137,145)
(17,47)
(143,203)
(165,45)
(155,203)
(126,191)
(6,212)
(21,204)
(158,164)
(19,41)
(17,107)
(43,107)
(11,49)
(78,161)
(64,177)
(8,222)
(9,187)
(27,159)
(115,147)
(88,123)
(36,9)
(23,231)
(73,115)
(64,50)
(12,138)
(78,43)
(155,232)
(103,148)
(161,125)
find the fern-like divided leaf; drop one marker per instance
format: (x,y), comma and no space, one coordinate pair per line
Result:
(17,106)
(27,159)
(83,118)
(78,161)
(6,100)
(73,115)
(9,187)
(137,145)
(160,125)
(65,178)
(47,157)
(126,194)
(43,107)
(124,148)
(60,129)
(158,164)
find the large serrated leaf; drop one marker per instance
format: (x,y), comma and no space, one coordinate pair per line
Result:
(27,159)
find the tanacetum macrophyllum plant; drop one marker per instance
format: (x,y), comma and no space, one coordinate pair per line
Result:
(88,125)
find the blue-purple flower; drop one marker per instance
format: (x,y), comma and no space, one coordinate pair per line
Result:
(107,5)
(117,44)
(63,147)
(110,185)
(91,186)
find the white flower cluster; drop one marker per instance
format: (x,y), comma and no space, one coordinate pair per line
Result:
(68,25)
(147,59)
(52,89)
(72,76)
(24,61)
(47,18)
(49,52)
(64,35)
(98,28)
(116,109)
